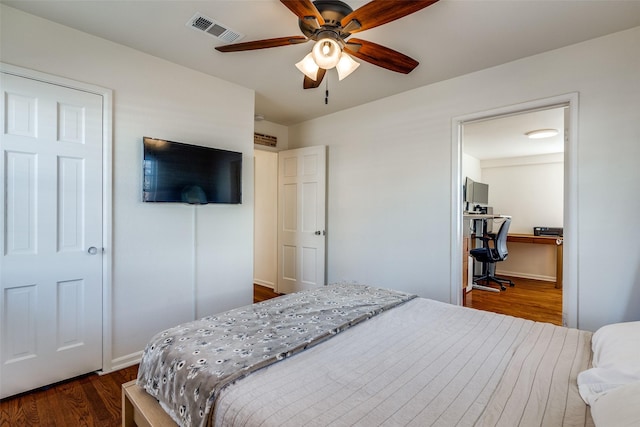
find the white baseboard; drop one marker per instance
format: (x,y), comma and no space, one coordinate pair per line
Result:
(123,362)
(526,276)
(264,283)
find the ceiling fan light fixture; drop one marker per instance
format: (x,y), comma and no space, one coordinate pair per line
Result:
(542,133)
(308,67)
(346,65)
(326,52)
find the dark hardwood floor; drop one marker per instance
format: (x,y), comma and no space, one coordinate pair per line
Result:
(530,299)
(262,293)
(90,400)
(95,400)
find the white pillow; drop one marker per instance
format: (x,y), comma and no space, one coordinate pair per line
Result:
(616,360)
(617,346)
(593,382)
(618,408)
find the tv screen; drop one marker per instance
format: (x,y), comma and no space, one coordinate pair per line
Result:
(183,173)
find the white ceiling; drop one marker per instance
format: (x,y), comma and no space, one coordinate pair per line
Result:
(449,38)
(504,137)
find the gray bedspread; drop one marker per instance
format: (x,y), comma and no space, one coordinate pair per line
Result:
(185,367)
(424,363)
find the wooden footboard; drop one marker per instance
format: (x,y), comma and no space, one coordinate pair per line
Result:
(141,410)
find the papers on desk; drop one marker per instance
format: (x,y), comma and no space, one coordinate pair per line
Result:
(484,215)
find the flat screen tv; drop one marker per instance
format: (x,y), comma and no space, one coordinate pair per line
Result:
(176,172)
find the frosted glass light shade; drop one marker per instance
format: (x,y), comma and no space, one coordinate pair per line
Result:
(326,53)
(308,67)
(346,66)
(542,133)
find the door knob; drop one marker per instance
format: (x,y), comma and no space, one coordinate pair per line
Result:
(320,233)
(92,250)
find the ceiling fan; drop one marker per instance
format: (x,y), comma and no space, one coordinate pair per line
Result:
(329,23)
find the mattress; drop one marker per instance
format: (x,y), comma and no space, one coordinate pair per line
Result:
(423,363)
(359,356)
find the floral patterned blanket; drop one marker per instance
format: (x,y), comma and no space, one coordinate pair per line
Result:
(185,367)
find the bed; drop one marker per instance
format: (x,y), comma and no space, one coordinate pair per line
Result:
(382,358)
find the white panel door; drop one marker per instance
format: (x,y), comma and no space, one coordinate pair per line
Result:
(51,234)
(301,218)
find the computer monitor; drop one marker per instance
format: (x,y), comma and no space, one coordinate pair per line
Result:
(480,193)
(476,192)
(468,190)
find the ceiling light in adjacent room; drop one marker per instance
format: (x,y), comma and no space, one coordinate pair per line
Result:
(542,133)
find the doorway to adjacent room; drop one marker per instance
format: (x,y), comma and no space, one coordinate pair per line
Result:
(531,181)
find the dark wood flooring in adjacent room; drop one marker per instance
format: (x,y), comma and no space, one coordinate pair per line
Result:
(530,299)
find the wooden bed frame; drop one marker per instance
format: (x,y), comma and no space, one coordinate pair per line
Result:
(141,409)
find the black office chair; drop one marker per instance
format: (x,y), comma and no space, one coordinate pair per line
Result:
(494,249)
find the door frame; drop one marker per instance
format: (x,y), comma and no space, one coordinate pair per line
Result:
(570,239)
(107,189)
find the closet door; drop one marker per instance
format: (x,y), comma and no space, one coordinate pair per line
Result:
(51,234)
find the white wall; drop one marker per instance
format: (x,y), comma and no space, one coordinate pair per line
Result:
(266,219)
(171,262)
(389,174)
(530,189)
(471,168)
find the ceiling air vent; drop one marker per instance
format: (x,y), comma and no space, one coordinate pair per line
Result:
(262,139)
(215,29)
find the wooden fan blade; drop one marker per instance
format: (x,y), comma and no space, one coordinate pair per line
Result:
(304,9)
(378,12)
(310,84)
(380,56)
(262,44)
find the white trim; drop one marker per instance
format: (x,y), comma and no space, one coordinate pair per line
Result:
(526,276)
(125,361)
(570,280)
(107,190)
(265,283)
(456,212)
(570,238)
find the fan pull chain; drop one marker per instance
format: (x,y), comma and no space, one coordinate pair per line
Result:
(326,91)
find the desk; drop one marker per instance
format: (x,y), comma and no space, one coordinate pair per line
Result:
(543,240)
